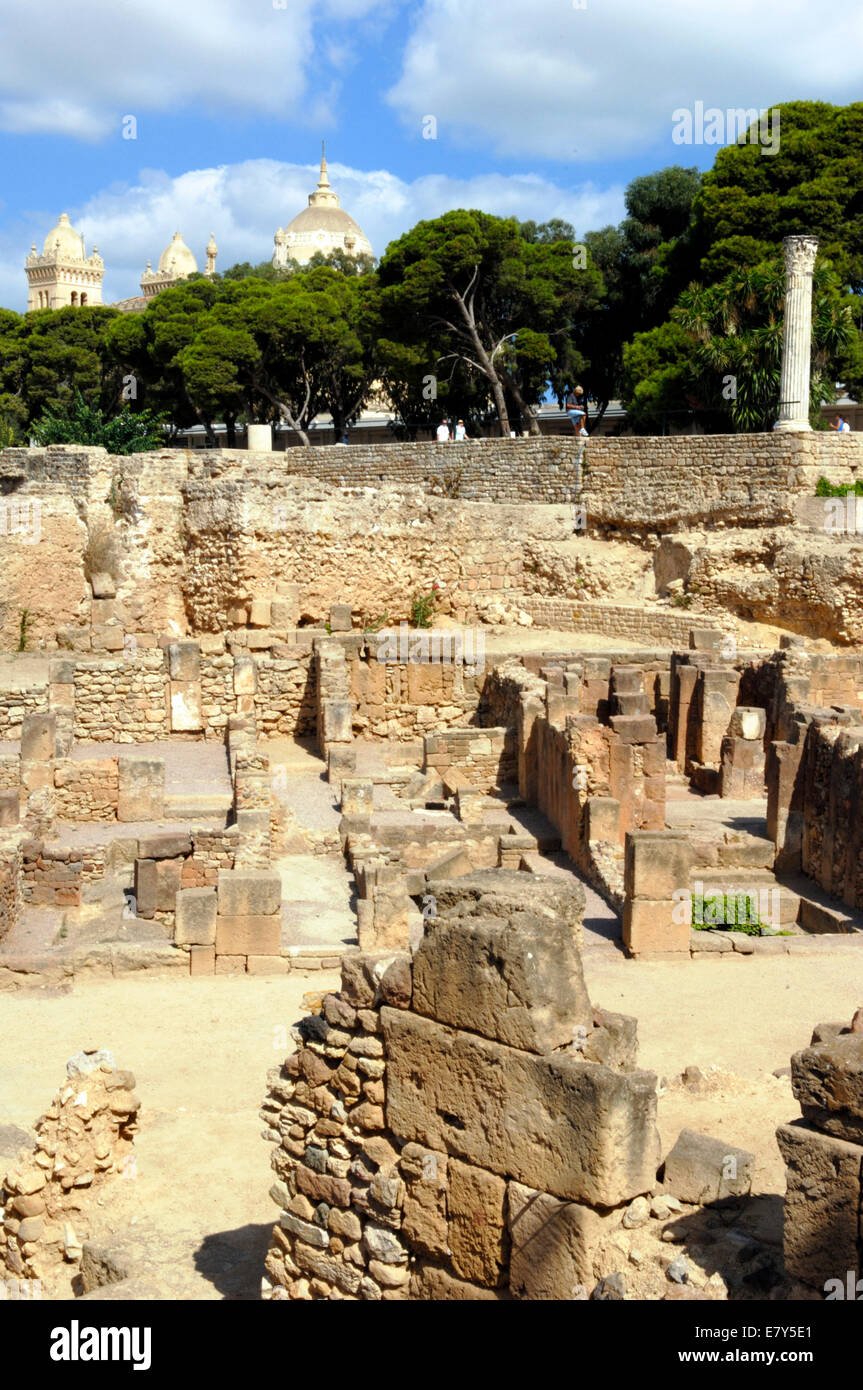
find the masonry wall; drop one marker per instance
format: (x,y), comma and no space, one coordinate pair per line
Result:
(207,532)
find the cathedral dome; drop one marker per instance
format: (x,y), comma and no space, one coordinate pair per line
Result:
(322,226)
(64,241)
(177,260)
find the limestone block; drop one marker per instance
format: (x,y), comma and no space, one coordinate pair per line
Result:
(245,675)
(184,661)
(748,722)
(424,1221)
(341,761)
(248,936)
(557,1247)
(634,728)
(202,960)
(230,965)
(827,1080)
(500,892)
(141,794)
(186,715)
(146,888)
(603,819)
(103,585)
(260,612)
(341,618)
(518,982)
(475,1205)
(701,1170)
(584,1132)
(822,1205)
(168,873)
(164,845)
(195,920)
(249,892)
(656,863)
(657,927)
(38,738)
(357,796)
(337,721)
(268,965)
(452,864)
(108,638)
(10,811)
(284,613)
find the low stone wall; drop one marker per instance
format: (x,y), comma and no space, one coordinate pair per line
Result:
(487,757)
(86,791)
(634,622)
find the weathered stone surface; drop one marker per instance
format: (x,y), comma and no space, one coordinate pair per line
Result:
(477,1230)
(249,892)
(500,892)
(700,1169)
(824,1176)
(429,1283)
(827,1080)
(141,788)
(572,1128)
(558,1248)
(518,982)
(164,845)
(248,936)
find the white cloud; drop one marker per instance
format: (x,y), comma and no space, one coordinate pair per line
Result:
(243,204)
(102,59)
(550,80)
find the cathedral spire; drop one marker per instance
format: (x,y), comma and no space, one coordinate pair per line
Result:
(323,181)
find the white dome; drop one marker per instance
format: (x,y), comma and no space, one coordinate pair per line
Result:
(63,240)
(176,259)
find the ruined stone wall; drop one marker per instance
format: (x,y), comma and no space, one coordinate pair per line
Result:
(398,1172)
(633,622)
(84,1138)
(198,535)
(487,757)
(10,880)
(15,705)
(88,790)
(823,1154)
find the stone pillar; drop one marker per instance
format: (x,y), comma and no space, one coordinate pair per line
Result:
(259,438)
(800,252)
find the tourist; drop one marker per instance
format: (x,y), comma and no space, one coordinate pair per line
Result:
(460,431)
(840,425)
(575,409)
(443,434)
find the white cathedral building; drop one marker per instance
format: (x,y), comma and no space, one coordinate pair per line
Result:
(322,226)
(64,275)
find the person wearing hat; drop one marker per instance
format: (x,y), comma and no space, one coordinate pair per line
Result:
(460,431)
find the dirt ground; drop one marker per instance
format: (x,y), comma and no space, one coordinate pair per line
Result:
(200,1049)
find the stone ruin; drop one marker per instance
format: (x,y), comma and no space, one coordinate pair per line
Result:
(146,817)
(84,1139)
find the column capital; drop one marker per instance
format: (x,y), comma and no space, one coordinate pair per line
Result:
(799,253)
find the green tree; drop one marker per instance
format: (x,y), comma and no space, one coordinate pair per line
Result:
(50,354)
(749,201)
(469,288)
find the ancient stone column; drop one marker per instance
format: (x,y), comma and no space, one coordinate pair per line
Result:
(800,254)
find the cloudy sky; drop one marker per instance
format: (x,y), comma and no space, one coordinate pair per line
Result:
(539,110)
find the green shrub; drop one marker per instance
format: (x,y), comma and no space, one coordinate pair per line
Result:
(728,911)
(422,608)
(827,489)
(129,432)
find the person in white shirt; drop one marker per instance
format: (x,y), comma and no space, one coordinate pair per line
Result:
(443,432)
(460,431)
(840,425)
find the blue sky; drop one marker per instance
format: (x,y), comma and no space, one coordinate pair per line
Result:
(542,110)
